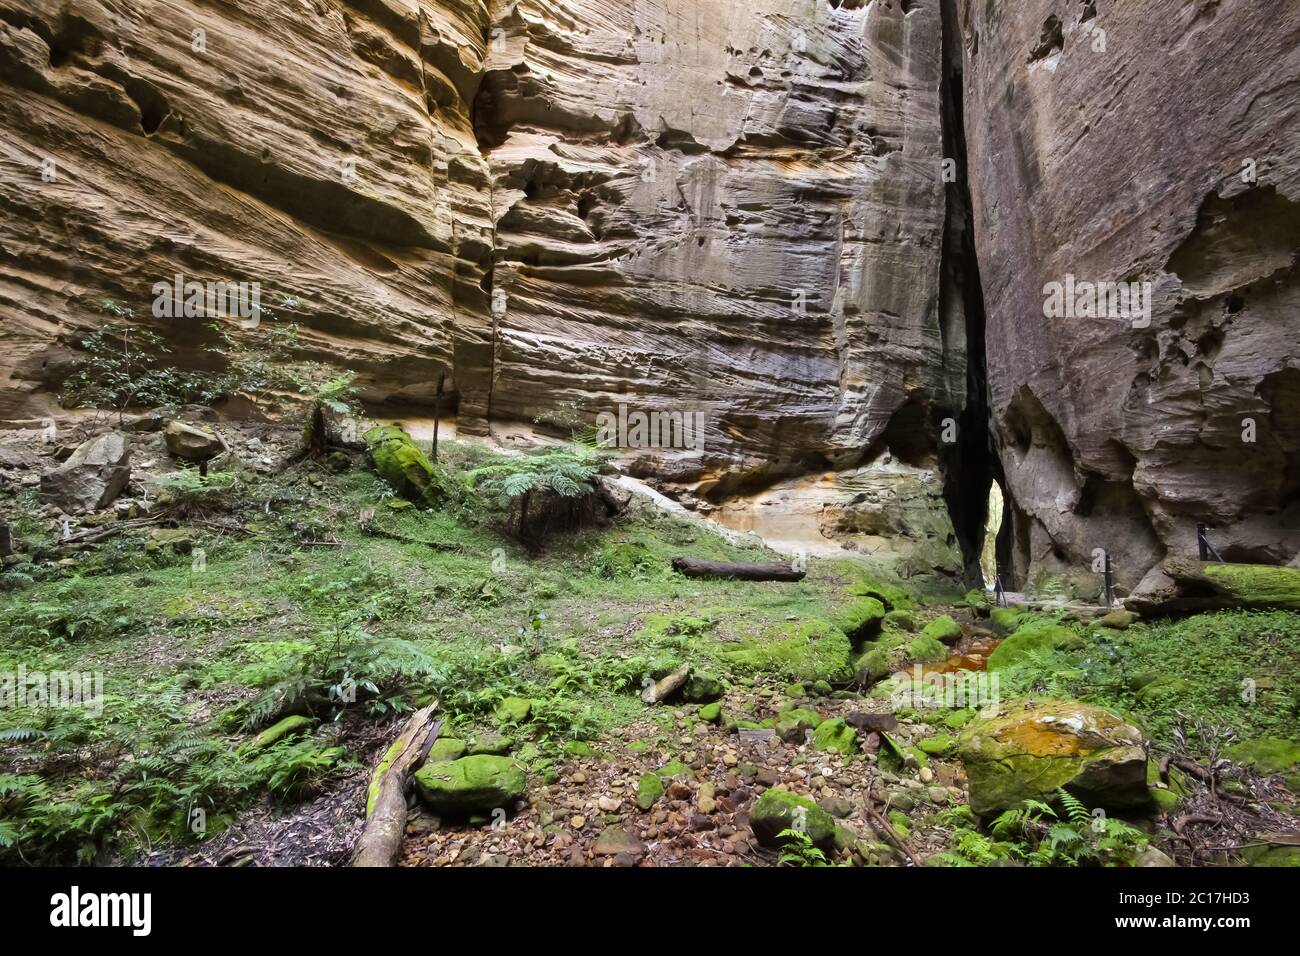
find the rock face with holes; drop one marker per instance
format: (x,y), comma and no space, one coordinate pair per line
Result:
(731,207)
(1152,141)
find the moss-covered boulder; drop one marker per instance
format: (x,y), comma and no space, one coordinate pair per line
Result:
(648,790)
(940,745)
(702,689)
(711,713)
(892,596)
(1266,754)
(512,710)
(445,749)
(406,468)
(902,620)
(943,629)
(836,736)
(1271,855)
(1030,638)
(1029,750)
(802,650)
(1257,585)
(1118,619)
(979,601)
(792,725)
(1005,620)
(860,618)
(778,810)
(477,784)
(926,650)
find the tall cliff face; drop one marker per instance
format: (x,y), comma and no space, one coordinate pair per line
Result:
(718,205)
(732,207)
(323,150)
(1116,141)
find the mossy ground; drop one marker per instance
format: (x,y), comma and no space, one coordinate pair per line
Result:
(439,603)
(427,603)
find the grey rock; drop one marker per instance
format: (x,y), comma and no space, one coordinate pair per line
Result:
(192,443)
(92,477)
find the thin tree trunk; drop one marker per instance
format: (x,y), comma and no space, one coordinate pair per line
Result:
(437,415)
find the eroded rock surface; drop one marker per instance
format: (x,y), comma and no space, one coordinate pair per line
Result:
(1164,150)
(724,206)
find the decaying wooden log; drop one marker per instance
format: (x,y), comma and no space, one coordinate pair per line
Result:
(664,688)
(381,840)
(693,568)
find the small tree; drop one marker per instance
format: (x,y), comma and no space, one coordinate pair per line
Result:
(122,365)
(261,363)
(565,474)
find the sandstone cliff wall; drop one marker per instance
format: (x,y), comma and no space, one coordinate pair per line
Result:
(1125,155)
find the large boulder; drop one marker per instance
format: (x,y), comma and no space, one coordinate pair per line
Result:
(476,784)
(1181,585)
(192,443)
(89,480)
(1028,751)
(407,469)
(1032,637)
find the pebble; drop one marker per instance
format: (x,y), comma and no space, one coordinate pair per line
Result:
(926,774)
(577,822)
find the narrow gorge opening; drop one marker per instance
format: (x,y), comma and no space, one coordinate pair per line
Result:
(973,478)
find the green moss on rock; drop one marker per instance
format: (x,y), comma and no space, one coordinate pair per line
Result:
(513,710)
(406,468)
(711,713)
(860,618)
(1257,585)
(1266,754)
(902,620)
(702,688)
(804,650)
(1027,751)
(837,736)
(445,749)
(943,629)
(476,784)
(648,791)
(1031,638)
(778,810)
(926,649)
(1005,620)
(792,724)
(893,597)
(940,745)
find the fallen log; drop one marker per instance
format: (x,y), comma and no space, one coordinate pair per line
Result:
(381,840)
(693,568)
(662,689)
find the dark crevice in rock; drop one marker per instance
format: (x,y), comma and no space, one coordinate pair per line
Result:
(1052,40)
(153,107)
(970,464)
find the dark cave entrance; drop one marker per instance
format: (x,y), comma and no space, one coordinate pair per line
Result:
(973,476)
